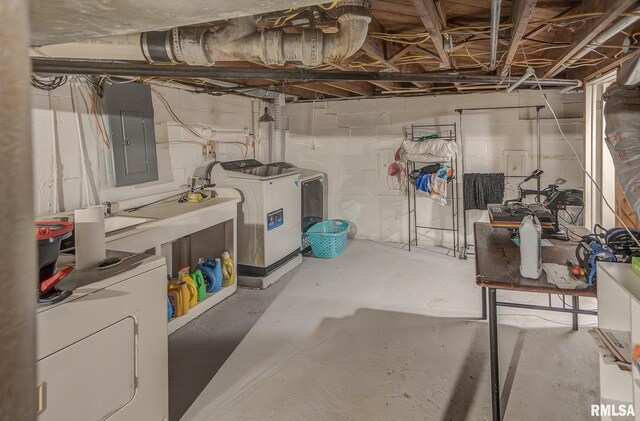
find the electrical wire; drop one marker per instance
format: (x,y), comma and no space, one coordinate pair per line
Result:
(192,130)
(331,6)
(48,83)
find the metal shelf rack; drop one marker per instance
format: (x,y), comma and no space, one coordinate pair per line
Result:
(446,132)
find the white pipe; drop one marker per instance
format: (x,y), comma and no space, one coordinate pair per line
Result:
(122,47)
(495,28)
(54,149)
(84,178)
(239,40)
(527,74)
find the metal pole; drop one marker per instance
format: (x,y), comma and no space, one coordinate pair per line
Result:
(495,28)
(493,353)
(95,67)
(18,251)
(463,253)
(539,152)
(576,308)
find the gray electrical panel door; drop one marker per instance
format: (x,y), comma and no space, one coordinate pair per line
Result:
(130,114)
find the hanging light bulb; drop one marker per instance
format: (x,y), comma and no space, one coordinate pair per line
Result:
(266,117)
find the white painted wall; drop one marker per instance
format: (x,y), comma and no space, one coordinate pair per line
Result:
(354,141)
(176,161)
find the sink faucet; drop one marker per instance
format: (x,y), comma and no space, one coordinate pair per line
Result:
(110,208)
(107,208)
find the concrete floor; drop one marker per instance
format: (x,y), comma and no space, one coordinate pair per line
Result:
(378,333)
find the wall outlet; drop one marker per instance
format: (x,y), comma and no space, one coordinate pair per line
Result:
(209,150)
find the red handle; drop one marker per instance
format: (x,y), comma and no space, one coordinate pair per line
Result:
(46,230)
(47,285)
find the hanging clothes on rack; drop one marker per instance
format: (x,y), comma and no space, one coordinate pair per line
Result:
(480,189)
(433,180)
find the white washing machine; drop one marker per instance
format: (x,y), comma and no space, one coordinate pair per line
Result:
(313,191)
(269,217)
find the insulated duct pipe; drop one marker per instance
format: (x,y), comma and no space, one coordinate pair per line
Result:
(238,40)
(88,67)
(495,29)
(615,29)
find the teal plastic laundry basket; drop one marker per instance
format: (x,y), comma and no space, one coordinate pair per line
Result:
(328,238)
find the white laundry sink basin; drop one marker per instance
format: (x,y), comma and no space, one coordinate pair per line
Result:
(117,222)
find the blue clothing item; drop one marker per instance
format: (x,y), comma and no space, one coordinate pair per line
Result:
(423,183)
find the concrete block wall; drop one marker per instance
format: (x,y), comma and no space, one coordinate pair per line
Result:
(354,142)
(57,143)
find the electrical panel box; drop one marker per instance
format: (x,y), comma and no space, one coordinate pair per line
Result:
(130,114)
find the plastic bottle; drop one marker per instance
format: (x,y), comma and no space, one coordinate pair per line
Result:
(175,298)
(207,273)
(183,276)
(185,296)
(218,275)
(227,270)
(530,251)
(212,273)
(169,309)
(200,284)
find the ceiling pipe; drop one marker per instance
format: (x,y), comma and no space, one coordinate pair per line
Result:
(65,21)
(47,66)
(495,28)
(527,74)
(234,40)
(615,29)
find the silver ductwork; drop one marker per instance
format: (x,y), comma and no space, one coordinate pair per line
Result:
(237,40)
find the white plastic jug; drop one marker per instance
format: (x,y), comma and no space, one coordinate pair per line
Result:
(530,252)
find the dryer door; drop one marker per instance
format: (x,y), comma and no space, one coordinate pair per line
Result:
(91,379)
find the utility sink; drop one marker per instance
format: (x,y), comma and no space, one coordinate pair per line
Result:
(117,222)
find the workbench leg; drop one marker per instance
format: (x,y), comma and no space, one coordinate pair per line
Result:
(493,353)
(484,303)
(576,306)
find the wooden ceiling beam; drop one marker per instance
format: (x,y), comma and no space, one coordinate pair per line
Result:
(428,13)
(521,12)
(611,11)
(375,48)
(603,68)
(284,89)
(324,89)
(540,29)
(400,53)
(355,87)
(387,86)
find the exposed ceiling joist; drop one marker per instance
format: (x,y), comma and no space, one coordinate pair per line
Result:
(606,67)
(611,11)
(428,13)
(358,88)
(541,28)
(323,88)
(384,86)
(442,12)
(400,53)
(375,48)
(521,12)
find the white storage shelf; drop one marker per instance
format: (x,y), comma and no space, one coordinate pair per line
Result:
(204,305)
(619,309)
(213,225)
